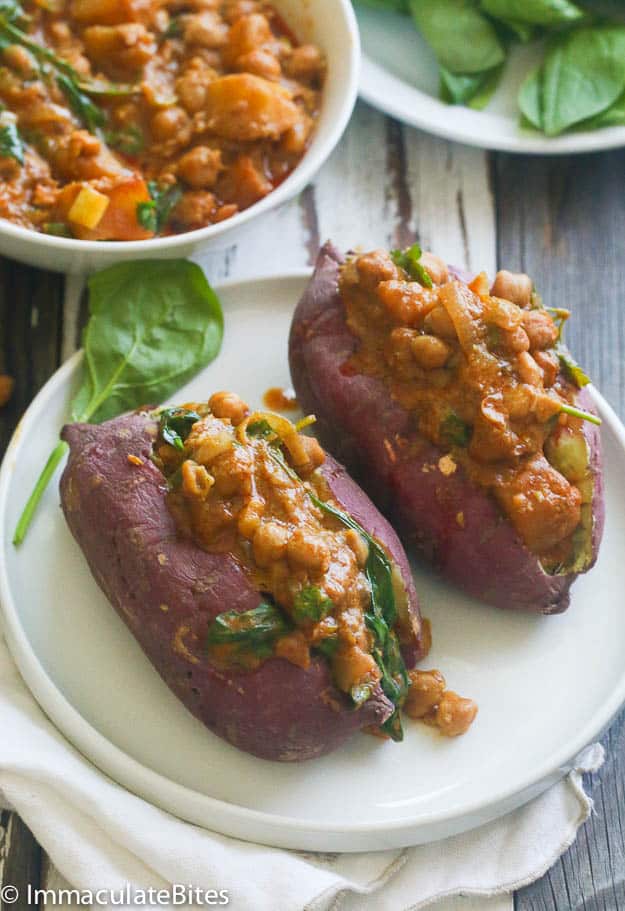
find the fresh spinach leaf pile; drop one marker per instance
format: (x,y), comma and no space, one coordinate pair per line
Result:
(580,83)
(152,325)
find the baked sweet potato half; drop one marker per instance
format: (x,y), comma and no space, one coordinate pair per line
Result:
(261,582)
(457,407)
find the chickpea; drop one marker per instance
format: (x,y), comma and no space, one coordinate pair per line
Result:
(374,268)
(513,286)
(195,208)
(235,9)
(514,340)
(205,29)
(529,371)
(169,123)
(430,352)
(200,167)
(250,517)
(549,365)
(270,541)
(196,481)
(295,139)
(426,689)
(358,545)
(308,551)
(249,33)
(403,301)
(260,62)
(305,62)
(540,328)
(18,58)
(314,453)
(228,405)
(438,322)
(435,267)
(398,349)
(455,715)
(519,401)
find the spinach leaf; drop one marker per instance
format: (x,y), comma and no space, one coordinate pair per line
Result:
(408,260)
(153,215)
(380,618)
(311,605)
(395,6)
(571,368)
(176,424)
(473,90)
(11,145)
(83,107)
(584,74)
(534,12)
(462,38)
(152,325)
(250,629)
(531,99)
(614,116)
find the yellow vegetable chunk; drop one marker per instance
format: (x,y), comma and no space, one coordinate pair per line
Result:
(88,207)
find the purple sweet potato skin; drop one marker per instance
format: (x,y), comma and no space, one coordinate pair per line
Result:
(359,422)
(167,590)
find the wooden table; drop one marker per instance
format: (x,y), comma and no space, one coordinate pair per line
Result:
(562,220)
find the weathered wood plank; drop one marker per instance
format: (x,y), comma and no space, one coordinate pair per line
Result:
(20,860)
(31,306)
(563,221)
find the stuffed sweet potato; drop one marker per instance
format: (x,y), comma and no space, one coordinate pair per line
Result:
(460,411)
(262,583)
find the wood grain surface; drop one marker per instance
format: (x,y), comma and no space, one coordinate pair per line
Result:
(560,219)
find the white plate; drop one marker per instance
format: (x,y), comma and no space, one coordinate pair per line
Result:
(546,686)
(399,76)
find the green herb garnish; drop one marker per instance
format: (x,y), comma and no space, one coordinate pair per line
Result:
(83,107)
(260,428)
(311,605)
(408,260)
(176,424)
(129,140)
(11,145)
(154,214)
(583,415)
(57,229)
(571,368)
(152,326)
(454,431)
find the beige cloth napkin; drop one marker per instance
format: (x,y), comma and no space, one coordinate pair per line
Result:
(98,835)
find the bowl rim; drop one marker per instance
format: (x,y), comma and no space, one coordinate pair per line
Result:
(313,159)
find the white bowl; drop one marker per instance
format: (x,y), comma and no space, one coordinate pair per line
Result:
(331,25)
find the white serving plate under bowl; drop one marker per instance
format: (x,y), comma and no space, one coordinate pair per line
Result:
(399,76)
(331,25)
(546,686)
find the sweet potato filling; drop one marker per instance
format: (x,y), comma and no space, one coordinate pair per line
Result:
(483,374)
(249,485)
(122,119)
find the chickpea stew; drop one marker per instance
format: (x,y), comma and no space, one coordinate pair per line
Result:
(484,374)
(126,119)
(249,484)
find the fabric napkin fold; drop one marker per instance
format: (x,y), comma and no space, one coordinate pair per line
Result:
(99,836)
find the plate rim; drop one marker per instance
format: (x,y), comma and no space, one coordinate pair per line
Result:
(569,144)
(282,830)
